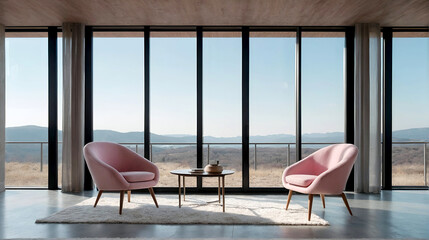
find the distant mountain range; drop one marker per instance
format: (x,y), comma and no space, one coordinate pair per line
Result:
(40,134)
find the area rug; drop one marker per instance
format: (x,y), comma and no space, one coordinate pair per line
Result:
(195,210)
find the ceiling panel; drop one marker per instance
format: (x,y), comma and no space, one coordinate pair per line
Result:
(215,12)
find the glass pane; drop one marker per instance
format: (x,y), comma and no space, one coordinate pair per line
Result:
(322,90)
(173,104)
(410,102)
(118,62)
(222,103)
(272,106)
(26,109)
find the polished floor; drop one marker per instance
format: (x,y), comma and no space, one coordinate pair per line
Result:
(391,214)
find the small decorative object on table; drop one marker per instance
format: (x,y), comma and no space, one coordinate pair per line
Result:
(213,168)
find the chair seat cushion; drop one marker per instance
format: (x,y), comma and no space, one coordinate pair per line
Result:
(301,180)
(138,176)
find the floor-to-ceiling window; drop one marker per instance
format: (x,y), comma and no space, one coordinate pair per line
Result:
(26,109)
(410,104)
(222,103)
(322,90)
(173,103)
(272,106)
(118,93)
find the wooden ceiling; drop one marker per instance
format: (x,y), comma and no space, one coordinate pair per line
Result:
(215,12)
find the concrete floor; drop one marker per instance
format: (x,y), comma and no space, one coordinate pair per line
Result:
(391,214)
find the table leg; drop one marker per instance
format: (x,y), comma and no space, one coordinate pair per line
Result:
(218,188)
(184,189)
(180,194)
(223,193)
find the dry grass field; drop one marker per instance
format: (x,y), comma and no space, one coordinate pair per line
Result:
(408,175)
(28,175)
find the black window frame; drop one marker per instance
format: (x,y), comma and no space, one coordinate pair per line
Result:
(245,31)
(52,32)
(387,88)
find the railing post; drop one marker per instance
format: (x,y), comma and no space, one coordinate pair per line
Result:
(150,155)
(288,154)
(425,165)
(137,148)
(41,157)
(254,161)
(208,153)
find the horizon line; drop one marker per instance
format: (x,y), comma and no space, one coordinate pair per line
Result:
(191,135)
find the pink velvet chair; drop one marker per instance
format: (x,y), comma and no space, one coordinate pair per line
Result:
(117,168)
(324,172)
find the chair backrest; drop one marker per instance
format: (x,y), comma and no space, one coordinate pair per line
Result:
(338,161)
(113,154)
(329,157)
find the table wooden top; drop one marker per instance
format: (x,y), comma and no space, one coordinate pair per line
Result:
(187,172)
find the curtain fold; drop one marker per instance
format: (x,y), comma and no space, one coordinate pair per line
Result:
(73,107)
(2,107)
(368,107)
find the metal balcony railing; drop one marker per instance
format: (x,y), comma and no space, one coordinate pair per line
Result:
(255,145)
(33,143)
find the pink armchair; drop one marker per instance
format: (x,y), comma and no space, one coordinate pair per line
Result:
(324,172)
(116,168)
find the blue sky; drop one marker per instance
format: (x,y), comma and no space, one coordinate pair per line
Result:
(410,106)
(118,85)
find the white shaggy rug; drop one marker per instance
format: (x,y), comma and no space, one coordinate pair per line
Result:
(141,210)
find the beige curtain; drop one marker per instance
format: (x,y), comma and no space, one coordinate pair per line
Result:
(2,107)
(367,108)
(73,107)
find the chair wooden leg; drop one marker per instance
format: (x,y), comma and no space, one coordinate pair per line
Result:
(346,203)
(310,204)
(98,197)
(289,196)
(129,196)
(323,199)
(153,196)
(121,201)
